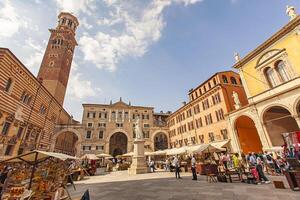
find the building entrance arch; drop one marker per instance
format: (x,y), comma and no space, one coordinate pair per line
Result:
(118,144)
(247,134)
(278,120)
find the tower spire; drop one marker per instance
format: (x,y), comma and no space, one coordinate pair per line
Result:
(56,64)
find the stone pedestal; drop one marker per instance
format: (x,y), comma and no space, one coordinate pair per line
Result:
(138,165)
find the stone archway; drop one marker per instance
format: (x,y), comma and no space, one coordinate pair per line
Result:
(66,141)
(118,144)
(247,135)
(278,120)
(160,141)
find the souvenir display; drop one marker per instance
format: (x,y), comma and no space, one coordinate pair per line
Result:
(42,180)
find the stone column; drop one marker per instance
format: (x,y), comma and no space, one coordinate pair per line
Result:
(233,136)
(262,134)
(138,165)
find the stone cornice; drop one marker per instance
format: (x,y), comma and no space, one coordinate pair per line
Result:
(281,33)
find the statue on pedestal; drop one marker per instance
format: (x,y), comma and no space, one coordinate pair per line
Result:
(138,132)
(237,57)
(291,12)
(237,103)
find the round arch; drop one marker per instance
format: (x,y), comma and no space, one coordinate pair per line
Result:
(118,143)
(277,119)
(247,134)
(66,141)
(160,140)
(296,107)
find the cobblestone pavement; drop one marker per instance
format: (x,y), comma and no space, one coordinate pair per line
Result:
(163,186)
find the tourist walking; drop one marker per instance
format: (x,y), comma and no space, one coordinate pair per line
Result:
(252,159)
(176,164)
(193,166)
(167,165)
(152,166)
(260,170)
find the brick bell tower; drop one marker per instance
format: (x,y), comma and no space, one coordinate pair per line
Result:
(57,60)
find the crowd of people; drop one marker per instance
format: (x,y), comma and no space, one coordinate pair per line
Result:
(257,165)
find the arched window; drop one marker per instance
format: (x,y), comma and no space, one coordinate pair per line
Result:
(209,85)
(224,79)
(270,75)
(233,80)
(8,84)
(282,71)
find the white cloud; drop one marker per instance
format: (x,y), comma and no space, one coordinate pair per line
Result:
(10,21)
(141,29)
(78,87)
(76,6)
(85,24)
(35,58)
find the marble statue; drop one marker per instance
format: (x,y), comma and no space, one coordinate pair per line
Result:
(291,12)
(138,132)
(237,103)
(19,113)
(237,57)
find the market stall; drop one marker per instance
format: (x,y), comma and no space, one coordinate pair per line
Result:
(207,164)
(292,155)
(89,162)
(37,175)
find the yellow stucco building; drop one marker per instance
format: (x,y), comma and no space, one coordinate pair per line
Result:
(271,78)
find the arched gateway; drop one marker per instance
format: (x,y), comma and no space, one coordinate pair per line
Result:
(247,135)
(279,120)
(118,144)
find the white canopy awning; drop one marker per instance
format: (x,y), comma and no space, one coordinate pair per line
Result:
(127,154)
(220,144)
(90,157)
(39,155)
(104,155)
(177,151)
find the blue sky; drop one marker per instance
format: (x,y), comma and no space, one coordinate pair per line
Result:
(150,52)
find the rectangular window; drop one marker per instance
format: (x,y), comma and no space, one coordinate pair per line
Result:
(88,135)
(5,128)
(146,125)
(101,133)
(224,134)
(20,131)
(8,85)
(86,148)
(211,137)
(208,119)
(201,139)
(99,147)
(9,150)
(102,125)
(119,125)
(146,134)
(90,124)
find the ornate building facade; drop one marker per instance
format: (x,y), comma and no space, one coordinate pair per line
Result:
(109,128)
(271,77)
(30,107)
(202,119)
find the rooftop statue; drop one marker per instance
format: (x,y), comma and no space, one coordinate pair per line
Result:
(291,12)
